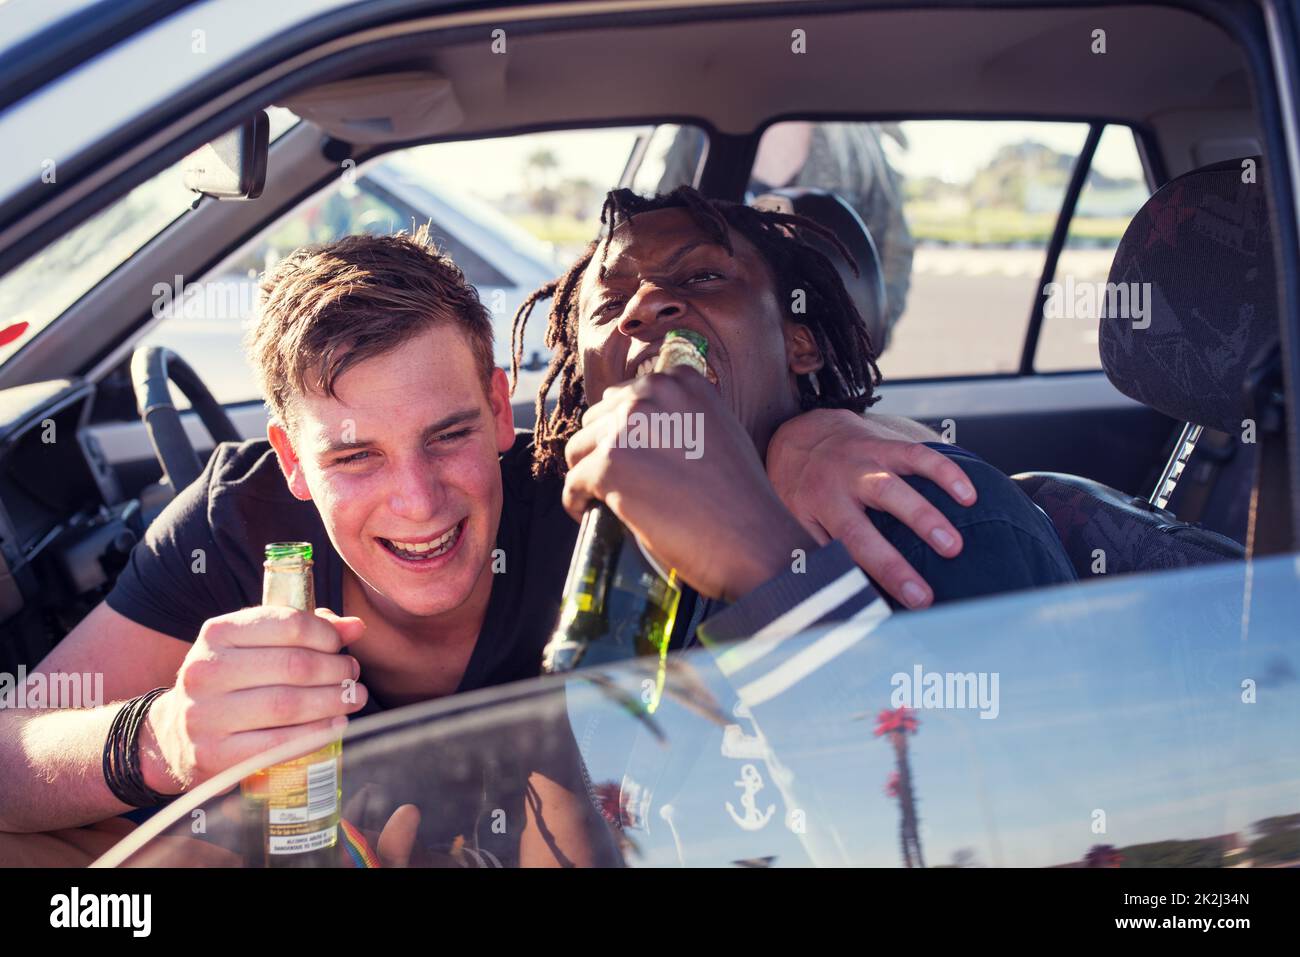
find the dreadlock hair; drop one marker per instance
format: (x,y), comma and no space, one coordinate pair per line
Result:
(848,376)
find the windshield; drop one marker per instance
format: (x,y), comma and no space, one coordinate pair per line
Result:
(41,289)
(1066,727)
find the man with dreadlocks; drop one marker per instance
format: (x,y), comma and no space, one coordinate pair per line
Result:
(730,272)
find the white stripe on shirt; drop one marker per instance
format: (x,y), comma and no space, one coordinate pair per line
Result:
(834,643)
(791,622)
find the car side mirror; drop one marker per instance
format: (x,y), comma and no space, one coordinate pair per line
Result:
(233,166)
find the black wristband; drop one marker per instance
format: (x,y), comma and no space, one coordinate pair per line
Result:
(122,772)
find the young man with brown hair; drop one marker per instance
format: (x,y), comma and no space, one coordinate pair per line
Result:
(392,451)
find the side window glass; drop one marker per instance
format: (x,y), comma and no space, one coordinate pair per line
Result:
(1113,193)
(961,212)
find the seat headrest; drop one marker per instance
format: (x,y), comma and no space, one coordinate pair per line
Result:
(1199,254)
(867,288)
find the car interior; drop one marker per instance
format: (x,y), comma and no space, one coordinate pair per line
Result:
(1134,455)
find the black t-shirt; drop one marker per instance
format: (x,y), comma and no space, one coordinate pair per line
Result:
(202,557)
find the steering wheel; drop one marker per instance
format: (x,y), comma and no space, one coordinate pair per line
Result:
(152,367)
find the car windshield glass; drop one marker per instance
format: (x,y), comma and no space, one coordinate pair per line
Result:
(1063,727)
(37,292)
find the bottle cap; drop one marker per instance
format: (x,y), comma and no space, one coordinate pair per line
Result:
(682,347)
(286,551)
(694,338)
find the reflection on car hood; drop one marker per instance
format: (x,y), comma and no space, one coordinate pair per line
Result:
(1123,720)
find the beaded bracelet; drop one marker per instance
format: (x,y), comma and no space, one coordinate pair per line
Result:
(122,771)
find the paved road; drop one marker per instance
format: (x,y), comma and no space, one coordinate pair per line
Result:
(968,309)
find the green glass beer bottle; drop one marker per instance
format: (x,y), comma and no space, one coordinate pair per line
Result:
(292,809)
(618,602)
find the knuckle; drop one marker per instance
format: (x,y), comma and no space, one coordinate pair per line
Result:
(329,635)
(882,485)
(295,626)
(296,665)
(954,474)
(313,727)
(924,515)
(216,631)
(197,672)
(276,613)
(859,537)
(917,455)
(645,399)
(946,469)
(570,452)
(281,704)
(891,568)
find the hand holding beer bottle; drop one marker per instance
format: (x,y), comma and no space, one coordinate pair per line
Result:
(712,517)
(619,602)
(292,808)
(254,679)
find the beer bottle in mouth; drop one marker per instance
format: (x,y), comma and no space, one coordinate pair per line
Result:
(618,602)
(292,809)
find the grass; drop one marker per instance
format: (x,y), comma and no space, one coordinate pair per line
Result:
(929,222)
(1003,226)
(560,230)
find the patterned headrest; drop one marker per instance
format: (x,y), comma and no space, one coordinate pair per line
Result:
(1191,305)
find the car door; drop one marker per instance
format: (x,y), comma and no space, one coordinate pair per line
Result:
(1142,721)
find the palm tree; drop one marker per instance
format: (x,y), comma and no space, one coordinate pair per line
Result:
(898,724)
(539,169)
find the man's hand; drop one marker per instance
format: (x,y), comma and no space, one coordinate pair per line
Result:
(830,465)
(395,845)
(254,679)
(713,516)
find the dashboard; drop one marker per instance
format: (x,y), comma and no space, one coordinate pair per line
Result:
(65,530)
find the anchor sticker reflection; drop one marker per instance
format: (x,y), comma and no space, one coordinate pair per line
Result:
(752,782)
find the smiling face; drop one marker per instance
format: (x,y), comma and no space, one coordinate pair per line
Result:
(664,271)
(403,467)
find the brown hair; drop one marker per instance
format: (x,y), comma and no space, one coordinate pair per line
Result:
(322,309)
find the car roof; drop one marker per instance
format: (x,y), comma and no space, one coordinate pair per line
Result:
(736,73)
